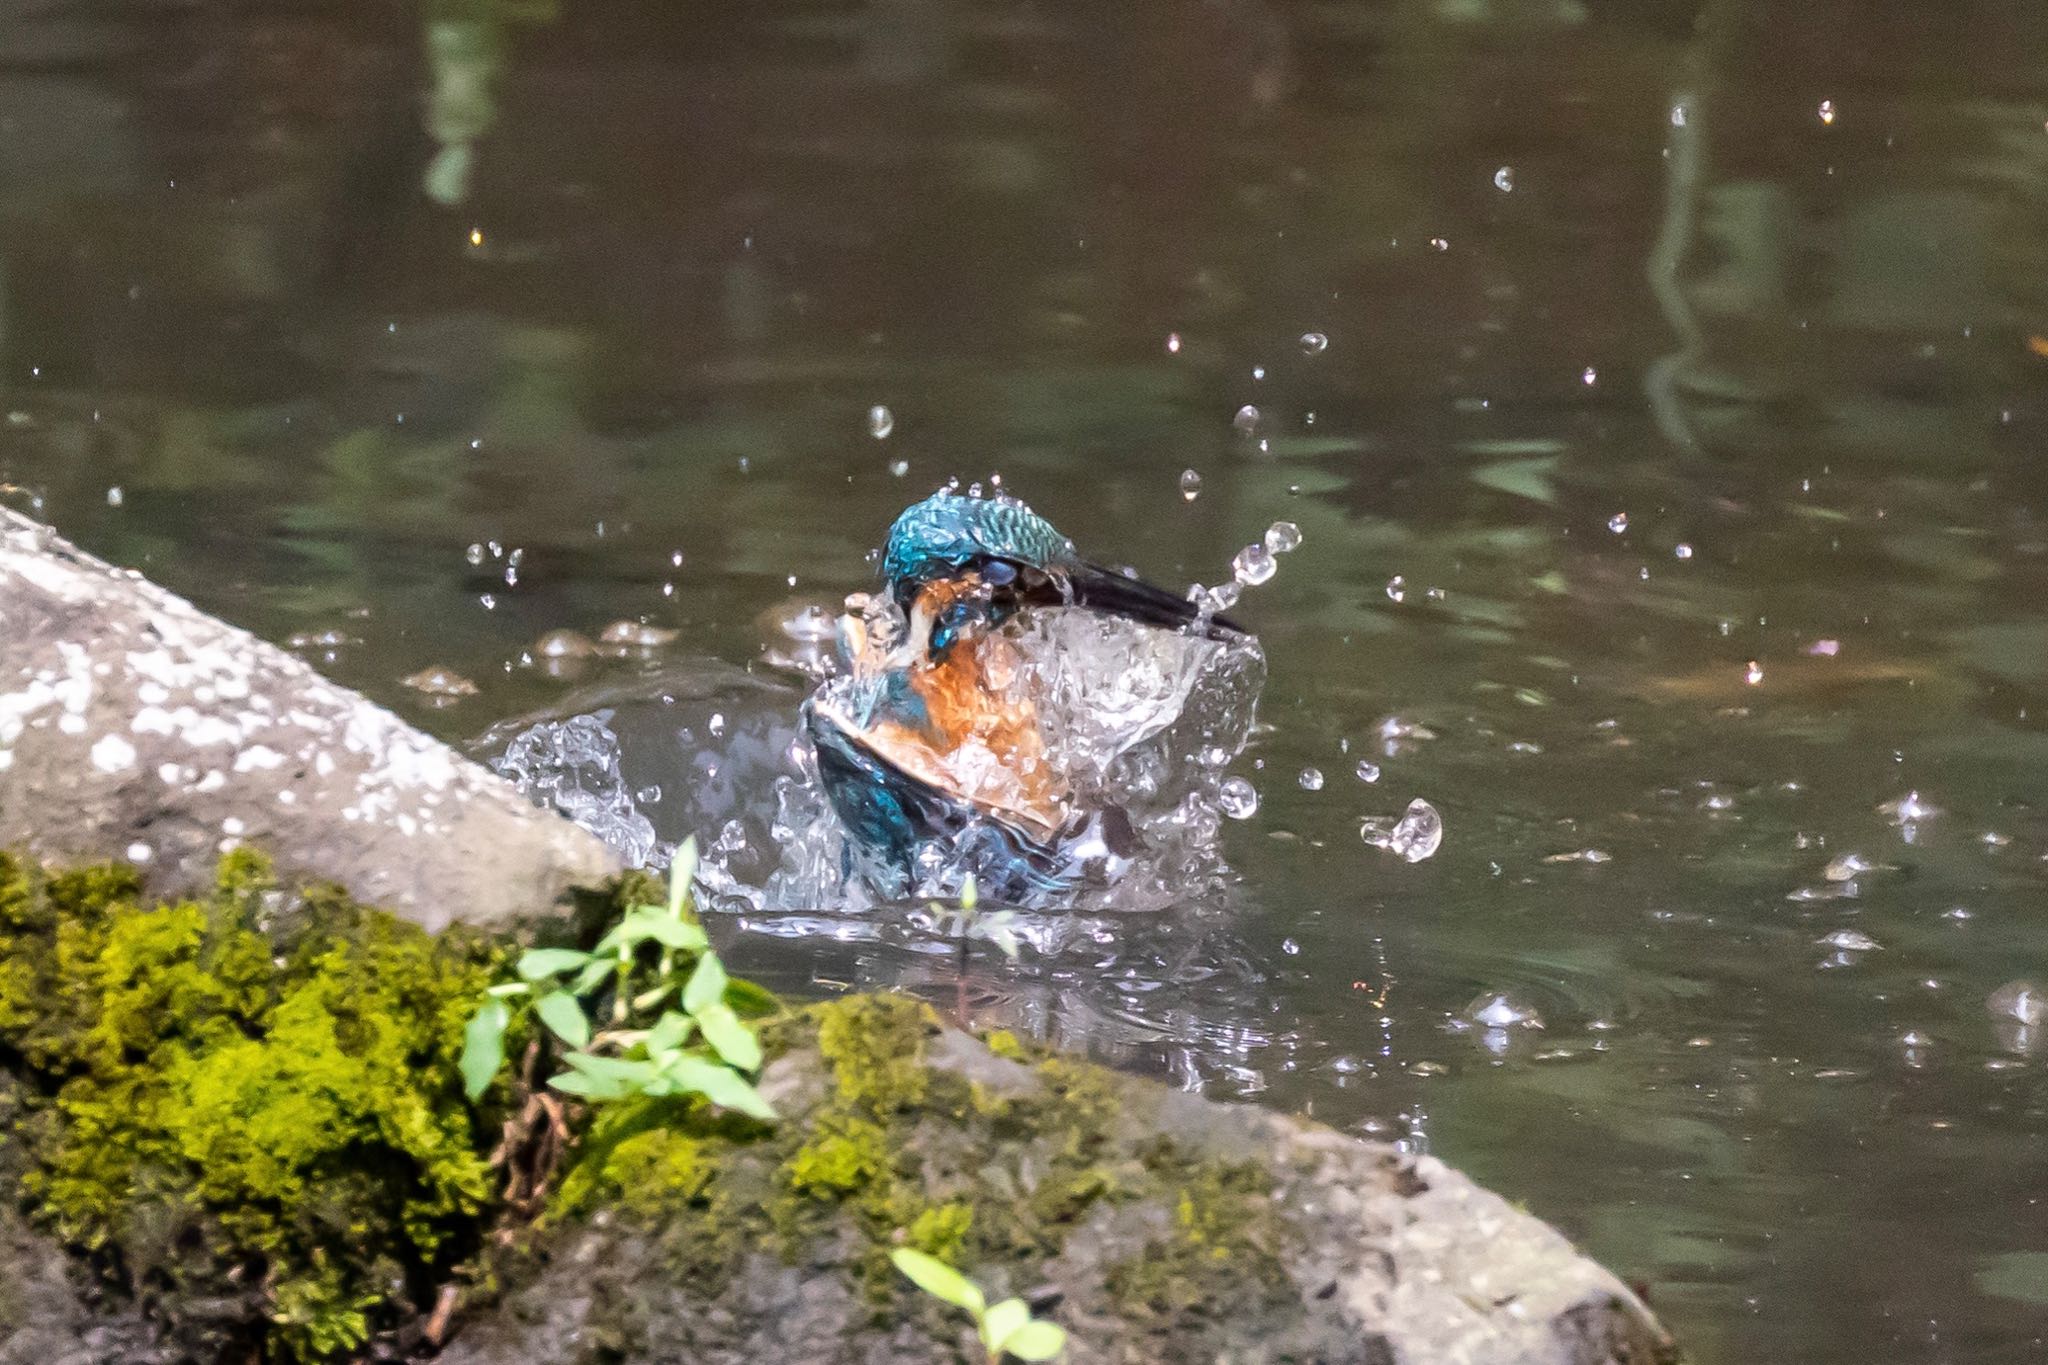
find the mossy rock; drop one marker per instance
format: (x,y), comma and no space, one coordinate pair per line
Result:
(243,1110)
(1154,1226)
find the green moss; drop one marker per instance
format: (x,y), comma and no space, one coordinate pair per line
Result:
(230,1111)
(847,1154)
(889,1151)
(875,1046)
(1005,1044)
(941,1231)
(1218,1258)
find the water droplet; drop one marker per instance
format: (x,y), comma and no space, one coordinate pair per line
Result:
(1589,376)
(1909,809)
(1237,798)
(1504,179)
(1753,673)
(1827,113)
(1618,522)
(1418,834)
(716,725)
(1190,484)
(881,422)
(1314,343)
(648,796)
(1173,343)
(1258,374)
(1311,779)
(474,554)
(1283,537)
(1499,1009)
(1682,551)
(1397,589)
(1247,419)
(1368,771)
(1253,565)
(899,467)
(115,497)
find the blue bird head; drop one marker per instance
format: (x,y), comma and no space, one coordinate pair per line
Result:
(1014,558)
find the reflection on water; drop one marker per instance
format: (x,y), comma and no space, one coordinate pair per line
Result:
(1666,469)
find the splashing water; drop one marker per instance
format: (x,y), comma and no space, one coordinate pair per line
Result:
(1103,740)
(573,765)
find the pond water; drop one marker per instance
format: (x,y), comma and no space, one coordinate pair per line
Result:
(1661,389)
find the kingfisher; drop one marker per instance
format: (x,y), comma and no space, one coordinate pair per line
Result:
(935,733)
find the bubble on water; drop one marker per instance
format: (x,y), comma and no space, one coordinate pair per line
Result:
(1247,419)
(2020,1000)
(1283,537)
(1850,866)
(474,554)
(1582,855)
(1504,179)
(1311,779)
(1501,1010)
(881,422)
(1618,522)
(1253,565)
(1190,484)
(1682,551)
(1849,941)
(1909,810)
(1237,798)
(1416,836)
(1397,589)
(1314,343)
(1367,770)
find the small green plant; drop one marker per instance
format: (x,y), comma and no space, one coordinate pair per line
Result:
(669,1027)
(1006,1328)
(970,921)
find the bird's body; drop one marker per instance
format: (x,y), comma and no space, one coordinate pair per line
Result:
(936,733)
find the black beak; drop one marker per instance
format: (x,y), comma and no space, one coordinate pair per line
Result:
(1106,590)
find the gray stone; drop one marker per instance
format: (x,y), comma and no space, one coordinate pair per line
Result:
(1360,1254)
(134,725)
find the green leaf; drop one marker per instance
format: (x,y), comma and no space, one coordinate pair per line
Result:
(721,1085)
(970,895)
(545,962)
(747,998)
(1037,1340)
(483,1047)
(591,1087)
(707,984)
(680,870)
(1001,1320)
(564,1016)
(729,1038)
(938,1279)
(633,1071)
(587,980)
(644,923)
(670,1032)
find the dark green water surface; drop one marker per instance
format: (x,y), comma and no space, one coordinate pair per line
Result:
(1669,347)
